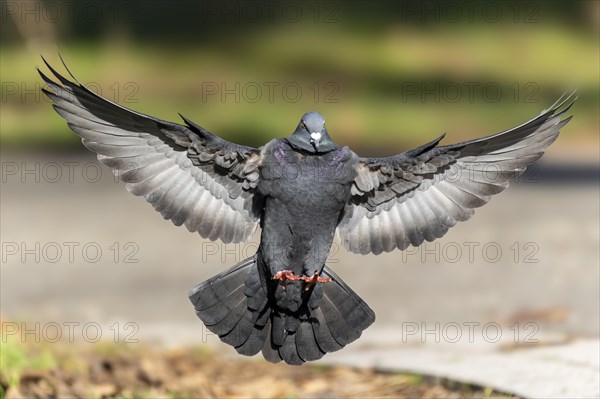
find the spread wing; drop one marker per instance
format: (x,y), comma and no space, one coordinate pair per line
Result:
(189,175)
(419,194)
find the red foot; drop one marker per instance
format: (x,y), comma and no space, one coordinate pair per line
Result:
(285,275)
(310,281)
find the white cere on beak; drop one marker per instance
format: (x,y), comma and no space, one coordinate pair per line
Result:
(315,136)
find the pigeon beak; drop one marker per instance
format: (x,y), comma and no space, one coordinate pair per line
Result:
(315,144)
(315,139)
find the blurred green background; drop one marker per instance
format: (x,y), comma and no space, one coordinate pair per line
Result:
(386,75)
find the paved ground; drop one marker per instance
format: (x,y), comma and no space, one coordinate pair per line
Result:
(509,299)
(569,370)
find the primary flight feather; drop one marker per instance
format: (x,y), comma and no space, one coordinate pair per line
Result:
(303,190)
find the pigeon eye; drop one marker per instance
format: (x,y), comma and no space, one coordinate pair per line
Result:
(302,125)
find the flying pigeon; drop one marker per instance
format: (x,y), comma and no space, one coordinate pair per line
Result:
(304,191)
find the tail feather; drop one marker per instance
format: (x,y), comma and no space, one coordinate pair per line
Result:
(217,313)
(291,324)
(231,319)
(289,351)
(306,343)
(340,330)
(255,302)
(324,338)
(241,332)
(354,310)
(235,306)
(255,341)
(269,349)
(212,292)
(278,328)
(261,315)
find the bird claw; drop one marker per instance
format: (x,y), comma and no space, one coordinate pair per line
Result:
(285,275)
(310,281)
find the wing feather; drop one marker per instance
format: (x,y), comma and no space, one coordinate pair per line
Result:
(420,194)
(189,175)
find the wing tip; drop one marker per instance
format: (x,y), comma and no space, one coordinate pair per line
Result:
(425,147)
(561,101)
(195,127)
(62,60)
(57,75)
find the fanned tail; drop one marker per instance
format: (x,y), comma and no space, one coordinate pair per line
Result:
(234,305)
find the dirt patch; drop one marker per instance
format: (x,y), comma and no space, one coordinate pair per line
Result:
(117,371)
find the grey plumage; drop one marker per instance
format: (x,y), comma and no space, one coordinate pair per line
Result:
(186,173)
(419,194)
(303,191)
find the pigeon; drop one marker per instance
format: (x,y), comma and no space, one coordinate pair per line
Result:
(304,191)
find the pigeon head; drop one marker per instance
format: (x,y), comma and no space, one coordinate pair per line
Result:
(311,134)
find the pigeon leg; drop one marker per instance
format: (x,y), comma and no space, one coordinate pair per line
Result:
(285,275)
(310,281)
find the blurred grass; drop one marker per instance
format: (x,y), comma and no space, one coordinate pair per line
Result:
(111,370)
(369,66)
(17,356)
